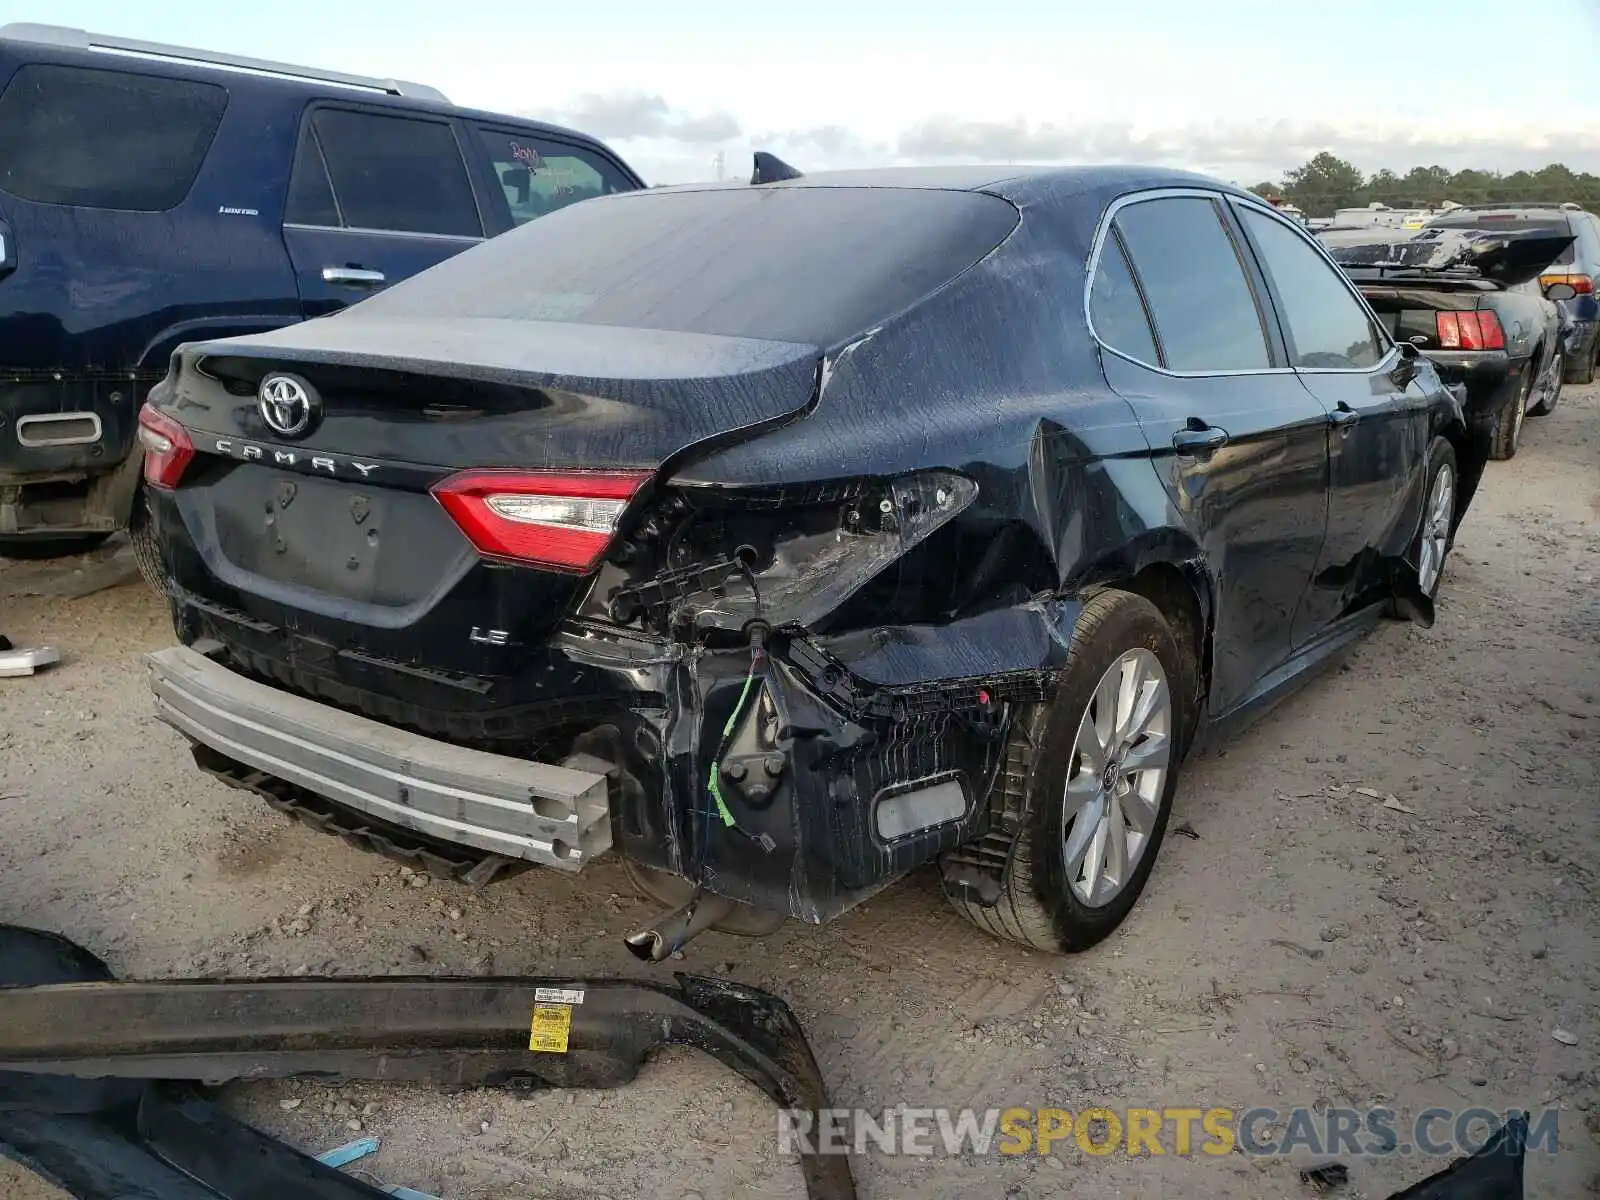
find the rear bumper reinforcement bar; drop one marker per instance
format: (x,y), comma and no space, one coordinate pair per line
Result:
(551,815)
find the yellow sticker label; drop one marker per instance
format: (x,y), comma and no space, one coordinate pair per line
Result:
(551,1024)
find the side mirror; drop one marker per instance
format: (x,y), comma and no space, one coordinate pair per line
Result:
(1560,291)
(1406,369)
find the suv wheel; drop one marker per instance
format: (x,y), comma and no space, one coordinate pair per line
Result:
(1547,388)
(1507,434)
(1102,768)
(1583,370)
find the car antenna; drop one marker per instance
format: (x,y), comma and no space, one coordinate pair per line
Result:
(771,169)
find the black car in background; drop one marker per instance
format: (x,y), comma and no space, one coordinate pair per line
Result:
(1473,303)
(1577,267)
(784,538)
(152,195)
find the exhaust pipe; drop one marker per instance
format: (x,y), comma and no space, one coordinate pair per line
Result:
(671,931)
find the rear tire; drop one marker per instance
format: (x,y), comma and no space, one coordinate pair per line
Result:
(146,550)
(1547,388)
(1086,852)
(1507,433)
(34,549)
(1583,372)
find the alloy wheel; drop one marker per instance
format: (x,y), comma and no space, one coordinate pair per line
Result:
(1119,771)
(1436,520)
(1549,383)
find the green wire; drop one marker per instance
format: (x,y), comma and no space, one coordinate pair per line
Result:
(723,810)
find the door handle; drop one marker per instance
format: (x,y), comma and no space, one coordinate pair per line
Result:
(1344,416)
(1199,442)
(352,276)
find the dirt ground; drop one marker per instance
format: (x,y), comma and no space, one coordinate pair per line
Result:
(1310,945)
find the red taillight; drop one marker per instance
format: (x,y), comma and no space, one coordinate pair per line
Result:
(1471,331)
(167,448)
(561,519)
(1582,284)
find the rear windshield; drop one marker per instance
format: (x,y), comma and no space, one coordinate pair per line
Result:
(800,264)
(104,139)
(1510,222)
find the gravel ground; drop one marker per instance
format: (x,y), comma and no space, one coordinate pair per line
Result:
(1310,944)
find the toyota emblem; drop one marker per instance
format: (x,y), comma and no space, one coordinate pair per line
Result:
(286,404)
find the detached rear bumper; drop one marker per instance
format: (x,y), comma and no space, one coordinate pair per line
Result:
(534,812)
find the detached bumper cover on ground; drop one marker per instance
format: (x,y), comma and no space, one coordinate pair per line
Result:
(116,1138)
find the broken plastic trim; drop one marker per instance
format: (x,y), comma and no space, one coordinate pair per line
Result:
(793,571)
(1506,258)
(467,1032)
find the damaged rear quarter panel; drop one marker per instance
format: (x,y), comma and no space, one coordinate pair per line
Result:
(918,677)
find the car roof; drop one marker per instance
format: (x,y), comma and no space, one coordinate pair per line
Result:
(25,43)
(1010,180)
(1548,212)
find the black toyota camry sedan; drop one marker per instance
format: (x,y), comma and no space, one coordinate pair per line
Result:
(784,538)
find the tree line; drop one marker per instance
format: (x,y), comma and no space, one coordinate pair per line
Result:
(1328,182)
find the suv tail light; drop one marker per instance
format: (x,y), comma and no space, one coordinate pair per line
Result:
(167,448)
(1471,331)
(1582,284)
(560,519)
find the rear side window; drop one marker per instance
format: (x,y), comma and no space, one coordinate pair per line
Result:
(1328,327)
(105,139)
(395,173)
(538,176)
(310,194)
(1116,308)
(1205,314)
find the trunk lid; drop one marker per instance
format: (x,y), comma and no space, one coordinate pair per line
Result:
(325,548)
(1409,310)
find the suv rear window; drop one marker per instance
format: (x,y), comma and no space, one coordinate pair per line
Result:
(1510,222)
(105,139)
(813,265)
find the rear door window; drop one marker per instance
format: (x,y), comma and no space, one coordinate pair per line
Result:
(398,174)
(310,194)
(1116,308)
(1327,326)
(538,175)
(1204,311)
(105,139)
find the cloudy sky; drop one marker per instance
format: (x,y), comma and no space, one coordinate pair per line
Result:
(1238,88)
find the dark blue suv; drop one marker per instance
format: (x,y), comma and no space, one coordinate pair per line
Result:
(152,195)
